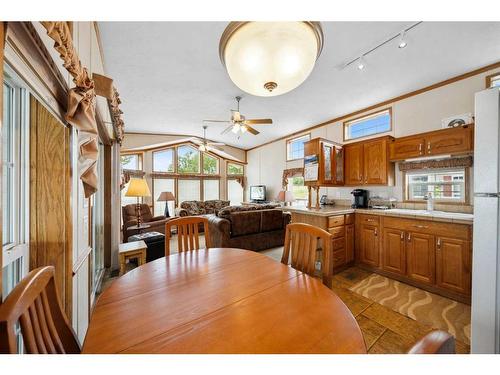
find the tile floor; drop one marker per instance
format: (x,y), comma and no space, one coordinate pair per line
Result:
(385,331)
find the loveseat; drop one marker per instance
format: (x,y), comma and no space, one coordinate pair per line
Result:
(256,227)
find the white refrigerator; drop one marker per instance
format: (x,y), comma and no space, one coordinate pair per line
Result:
(485,329)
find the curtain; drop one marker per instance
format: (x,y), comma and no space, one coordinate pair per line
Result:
(81,105)
(444,163)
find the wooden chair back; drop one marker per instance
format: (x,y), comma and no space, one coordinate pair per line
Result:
(188,235)
(34,303)
(301,245)
(435,342)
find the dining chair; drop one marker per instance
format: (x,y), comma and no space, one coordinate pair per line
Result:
(187,233)
(301,246)
(34,304)
(435,342)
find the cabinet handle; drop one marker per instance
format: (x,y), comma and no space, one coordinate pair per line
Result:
(402,236)
(376,232)
(429,147)
(420,146)
(409,237)
(421,226)
(439,243)
(370,220)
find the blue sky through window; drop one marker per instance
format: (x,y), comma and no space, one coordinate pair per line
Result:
(372,125)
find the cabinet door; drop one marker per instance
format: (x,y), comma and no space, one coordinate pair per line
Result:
(326,164)
(353,164)
(369,246)
(453,264)
(451,141)
(375,162)
(420,252)
(349,242)
(338,158)
(393,251)
(406,148)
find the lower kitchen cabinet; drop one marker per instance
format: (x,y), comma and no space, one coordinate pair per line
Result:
(349,242)
(453,264)
(420,252)
(394,258)
(369,245)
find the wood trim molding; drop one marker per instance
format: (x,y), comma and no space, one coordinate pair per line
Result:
(489,77)
(2,45)
(386,102)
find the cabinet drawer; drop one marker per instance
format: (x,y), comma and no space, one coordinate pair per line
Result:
(335,221)
(338,243)
(368,219)
(338,258)
(349,218)
(337,232)
(437,228)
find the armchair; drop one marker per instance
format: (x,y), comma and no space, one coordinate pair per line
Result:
(129,214)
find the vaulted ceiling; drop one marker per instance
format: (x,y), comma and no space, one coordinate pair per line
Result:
(170,77)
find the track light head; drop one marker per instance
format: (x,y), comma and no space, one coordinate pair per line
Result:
(402,41)
(361,63)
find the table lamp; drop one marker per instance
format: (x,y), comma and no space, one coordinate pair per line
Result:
(138,187)
(285,196)
(166,196)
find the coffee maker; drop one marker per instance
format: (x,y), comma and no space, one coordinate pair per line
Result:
(360,198)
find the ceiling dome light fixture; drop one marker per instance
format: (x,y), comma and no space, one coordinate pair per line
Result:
(270,58)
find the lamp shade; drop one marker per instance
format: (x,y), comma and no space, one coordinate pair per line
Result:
(285,196)
(166,196)
(270,58)
(138,187)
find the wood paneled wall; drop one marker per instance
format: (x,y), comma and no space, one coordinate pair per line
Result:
(2,43)
(50,204)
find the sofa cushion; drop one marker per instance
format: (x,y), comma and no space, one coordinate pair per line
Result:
(227,211)
(194,207)
(214,206)
(271,220)
(245,223)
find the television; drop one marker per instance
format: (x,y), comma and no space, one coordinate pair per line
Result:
(258,193)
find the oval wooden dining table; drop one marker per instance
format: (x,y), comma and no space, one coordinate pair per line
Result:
(220,300)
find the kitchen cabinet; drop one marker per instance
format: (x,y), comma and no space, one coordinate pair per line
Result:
(349,242)
(330,160)
(452,141)
(367,240)
(420,252)
(453,264)
(367,163)
(394,257)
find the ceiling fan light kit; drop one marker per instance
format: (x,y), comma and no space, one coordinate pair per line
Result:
(270,58)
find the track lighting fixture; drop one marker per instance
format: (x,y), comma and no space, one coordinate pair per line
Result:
(402,40)
(361,63)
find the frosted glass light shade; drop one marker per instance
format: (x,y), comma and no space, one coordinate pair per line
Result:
(270,58)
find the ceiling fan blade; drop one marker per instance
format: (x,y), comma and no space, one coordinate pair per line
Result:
(216,144)
(215,148)
(252,130)
(225,121)
(226,129)
(258,121)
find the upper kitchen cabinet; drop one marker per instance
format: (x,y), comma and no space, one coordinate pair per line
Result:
(329,158)
(453,141)
(367,162)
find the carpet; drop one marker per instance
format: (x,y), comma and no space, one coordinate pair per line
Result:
(425,307)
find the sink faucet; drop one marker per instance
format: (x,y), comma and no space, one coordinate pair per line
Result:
(430,201)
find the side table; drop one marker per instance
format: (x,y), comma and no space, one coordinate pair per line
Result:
(131,250)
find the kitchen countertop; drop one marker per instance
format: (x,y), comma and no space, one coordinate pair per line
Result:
(451,217)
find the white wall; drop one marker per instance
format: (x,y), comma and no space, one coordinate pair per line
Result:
(416,114)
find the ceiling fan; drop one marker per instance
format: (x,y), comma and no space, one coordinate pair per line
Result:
(204,145)
(239,124)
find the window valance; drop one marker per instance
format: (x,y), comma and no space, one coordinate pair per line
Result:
(292,172)
(459,162)
(127,174)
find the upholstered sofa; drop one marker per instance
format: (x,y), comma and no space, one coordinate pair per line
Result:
(249,227)
(195,208)
(129,215)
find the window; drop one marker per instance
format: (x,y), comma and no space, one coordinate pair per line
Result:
(188,159)
(131,161)
(163,161)
(493,80)
(445,186)
(188,190)
(295,147)
(210,164)
(210,189)
(300,192)
(160,185)
(375,123)
(235,169)
(234,192)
